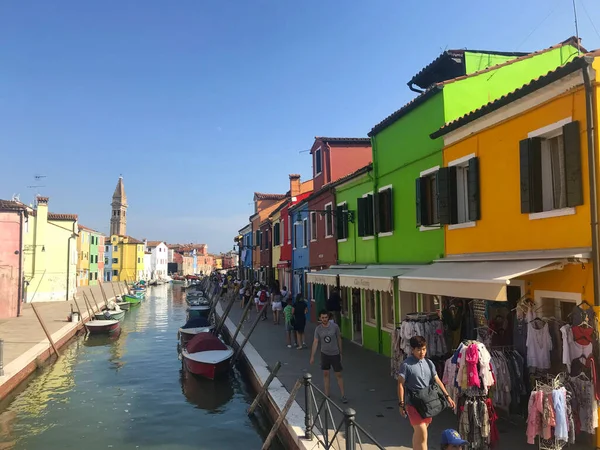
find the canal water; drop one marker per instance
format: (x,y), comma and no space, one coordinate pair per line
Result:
(130,392)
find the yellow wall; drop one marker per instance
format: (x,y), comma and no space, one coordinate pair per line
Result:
(127,254)
(502,226)
(276,249)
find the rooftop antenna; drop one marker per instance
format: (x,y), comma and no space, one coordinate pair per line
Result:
(36,185)
(576,29)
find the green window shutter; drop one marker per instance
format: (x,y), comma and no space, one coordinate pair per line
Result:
(339,222)
(572,148)
(370,219)
(446,195)
(530,165)
(378,219)
(385,211)
(390,209)
(362,212)
(344,222)
(421,218)
(473,186)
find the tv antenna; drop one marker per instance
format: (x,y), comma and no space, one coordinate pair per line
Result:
(36,186)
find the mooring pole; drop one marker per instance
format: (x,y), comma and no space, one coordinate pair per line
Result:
(94,298)
(286,408)
(1,358)
(224,316)
(241,324)
(44,328)
(264,389)
(247,338)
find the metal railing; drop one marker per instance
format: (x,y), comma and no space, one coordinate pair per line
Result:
(318,414)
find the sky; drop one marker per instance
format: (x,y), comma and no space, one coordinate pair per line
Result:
(198,104)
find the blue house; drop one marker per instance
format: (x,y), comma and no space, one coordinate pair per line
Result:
(300,256)
(246,252)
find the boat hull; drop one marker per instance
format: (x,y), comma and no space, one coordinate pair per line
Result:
(95,328)
(187,334)
(124,305)
(113,315)
(131,299)
(207,370)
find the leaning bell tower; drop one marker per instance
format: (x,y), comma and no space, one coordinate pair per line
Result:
(118,219)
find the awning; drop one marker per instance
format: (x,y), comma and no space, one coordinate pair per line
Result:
(373,277)
(478,280)
(283,264)
(327,276)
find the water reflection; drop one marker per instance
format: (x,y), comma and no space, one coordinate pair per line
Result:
(206,394)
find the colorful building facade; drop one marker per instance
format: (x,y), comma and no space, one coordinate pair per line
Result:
(127,258)
(13,223)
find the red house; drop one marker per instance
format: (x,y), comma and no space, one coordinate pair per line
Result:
(333,159)
(266,272)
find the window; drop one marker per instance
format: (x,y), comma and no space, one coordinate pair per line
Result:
(115,260)
(105,260)
(107,248)
(277,234)
(365,215)
(289,230)
(329,220)
(91,276)
(550,164)
(387,310)
(427,202)
(115,273)
(295,237)
(139,260)
(258,237)
(313,226)
(318,162)
(370,314)
(304,232)
(431,303)
(385,214)
(115,248)
(341,219)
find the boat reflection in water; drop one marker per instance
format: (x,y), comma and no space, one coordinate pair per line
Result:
(206,394)
(99,340)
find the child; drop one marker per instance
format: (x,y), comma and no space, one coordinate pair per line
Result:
(451,440)
(289,326)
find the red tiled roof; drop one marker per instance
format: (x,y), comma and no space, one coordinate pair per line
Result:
(154,243)
(343,140)
(10,205)
(54,216)
(131,240)
(82,227)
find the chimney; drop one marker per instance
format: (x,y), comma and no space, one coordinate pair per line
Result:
(294,185)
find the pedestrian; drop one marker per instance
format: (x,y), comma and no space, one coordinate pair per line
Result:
(284,297)
(417,373)
(334,306)
(247,293)
(276,305)
(263,300)
(288,315)
(241,293)
(451,440)
(299,310)
(328,335)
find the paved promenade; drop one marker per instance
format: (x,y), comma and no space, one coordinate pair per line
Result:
(370,389)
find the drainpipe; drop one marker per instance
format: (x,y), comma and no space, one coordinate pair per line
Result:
(21,278)
(589,108)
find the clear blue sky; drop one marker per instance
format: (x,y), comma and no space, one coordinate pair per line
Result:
(200,103)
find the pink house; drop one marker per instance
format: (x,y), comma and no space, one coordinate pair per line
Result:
(13,218)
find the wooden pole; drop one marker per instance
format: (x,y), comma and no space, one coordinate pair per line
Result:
(37,314)
(224,316)
(78,309)
(279,421)
(264,389)
(247,338)
(88,299)
(241,324)
(90,316)
(93,297)
(88,303)
(103,294)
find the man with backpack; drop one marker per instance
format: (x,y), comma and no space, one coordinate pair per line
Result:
(263,299)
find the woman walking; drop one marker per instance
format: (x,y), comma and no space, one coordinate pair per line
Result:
(417,373)
(276,305)
(299,311)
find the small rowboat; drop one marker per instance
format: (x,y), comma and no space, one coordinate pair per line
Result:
(194,327)
(139,294)
(198,311)
(206,355)
(102,326)
(114,315)
(131,300)
(124,305)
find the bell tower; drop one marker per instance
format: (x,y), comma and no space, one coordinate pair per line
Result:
(118,219)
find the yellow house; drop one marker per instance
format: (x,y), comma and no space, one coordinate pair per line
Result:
(49,254)
(127,258)
(83,256)
(515,192)
(218,262)
(277,242)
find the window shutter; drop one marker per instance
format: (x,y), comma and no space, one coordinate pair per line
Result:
(445,177)
(339,222)
(419,202)
(572,147)
(370,219)
(530,163)
(473,186)
(378,213)
(390,209)
(361,215)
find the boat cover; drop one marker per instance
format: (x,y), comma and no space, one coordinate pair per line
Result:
(197,322)
(204,342)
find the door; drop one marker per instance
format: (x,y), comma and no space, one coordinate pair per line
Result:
(356,317)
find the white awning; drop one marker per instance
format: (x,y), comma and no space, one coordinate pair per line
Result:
(326,276)
(373,277)
(479,280)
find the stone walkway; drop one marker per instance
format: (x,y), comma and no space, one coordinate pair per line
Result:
(370,389)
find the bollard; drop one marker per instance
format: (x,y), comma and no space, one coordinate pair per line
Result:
(349,417)
(1,357)
(307,408)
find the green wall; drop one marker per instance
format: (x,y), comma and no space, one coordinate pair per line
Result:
(475,62)
(94,243)
(356,250)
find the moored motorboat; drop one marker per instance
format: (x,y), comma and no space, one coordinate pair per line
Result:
(201,301)
(206,355)
(198,311)
(193,327)
(110,315)
(102,326)
(124,305)
(131,299)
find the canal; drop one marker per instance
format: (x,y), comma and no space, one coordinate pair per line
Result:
(130,392)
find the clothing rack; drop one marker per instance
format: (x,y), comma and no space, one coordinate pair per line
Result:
(552,382)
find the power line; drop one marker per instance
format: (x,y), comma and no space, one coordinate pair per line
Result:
(590,18)
(537,26)
(576,28)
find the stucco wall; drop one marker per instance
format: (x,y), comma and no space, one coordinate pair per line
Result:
(10,257)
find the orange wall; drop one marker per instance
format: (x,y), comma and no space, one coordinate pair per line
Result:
(502,226)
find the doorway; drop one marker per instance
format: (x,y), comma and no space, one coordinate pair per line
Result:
(356,317)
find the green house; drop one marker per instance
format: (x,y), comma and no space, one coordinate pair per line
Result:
(402,205)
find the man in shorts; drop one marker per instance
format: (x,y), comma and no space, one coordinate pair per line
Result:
(328,335)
